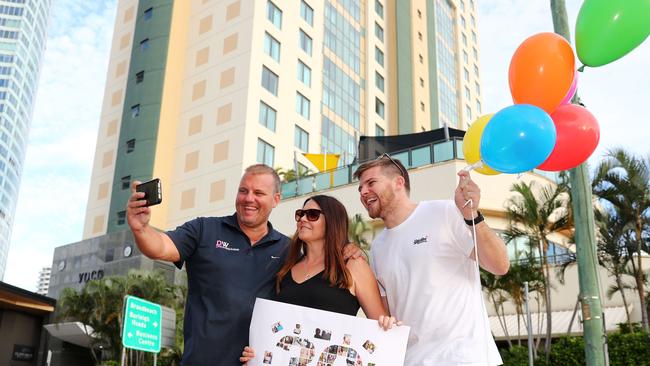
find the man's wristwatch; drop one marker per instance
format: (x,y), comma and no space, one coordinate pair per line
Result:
(476,220)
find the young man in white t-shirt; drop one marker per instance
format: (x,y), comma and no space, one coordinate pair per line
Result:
(425,263)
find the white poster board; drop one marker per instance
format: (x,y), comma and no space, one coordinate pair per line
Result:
(290,335)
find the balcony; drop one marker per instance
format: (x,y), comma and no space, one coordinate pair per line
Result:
(415,157)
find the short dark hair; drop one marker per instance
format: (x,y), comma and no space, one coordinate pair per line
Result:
(265,169)
(389,166)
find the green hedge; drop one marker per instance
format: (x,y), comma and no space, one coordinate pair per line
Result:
(624,349)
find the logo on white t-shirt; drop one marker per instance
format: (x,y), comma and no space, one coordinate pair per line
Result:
(421,240)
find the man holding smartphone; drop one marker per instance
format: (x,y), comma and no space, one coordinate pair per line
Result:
(230,261)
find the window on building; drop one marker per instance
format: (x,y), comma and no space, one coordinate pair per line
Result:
(478,107)
(301,139)
(267,116)
(274,14)
(420,36)
(473,21)
(126,182)
(379,81)
(422,106)
(272,47)
(419,13)
(379,56)
(422,82)
(379,8)
(144,44)
(139,77)
(463,23)
(474,37)
(306,12)
(466,73)
(462,5)
(302,105)
(464,37)
(269,80)
(130,146)
(379,131)
(379,107)
(379,32)
(305,42)
(421,59)
(147,14)
(468,112)
(468,94)
(265,152)
(465,57)
(135,110)
(478,88)
(304,73)
(121,219)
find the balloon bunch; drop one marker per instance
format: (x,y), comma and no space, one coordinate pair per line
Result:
(543,129)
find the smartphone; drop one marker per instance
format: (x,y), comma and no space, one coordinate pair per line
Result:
(152,191)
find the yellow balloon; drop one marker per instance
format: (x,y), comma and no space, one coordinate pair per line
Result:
(472,144)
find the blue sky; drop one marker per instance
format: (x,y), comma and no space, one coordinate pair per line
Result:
(54,189)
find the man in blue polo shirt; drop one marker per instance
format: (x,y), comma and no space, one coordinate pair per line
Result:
(230,261)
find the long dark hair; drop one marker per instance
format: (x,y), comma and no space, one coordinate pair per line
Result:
(336,237)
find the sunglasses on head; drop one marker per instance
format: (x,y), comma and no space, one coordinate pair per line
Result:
(312,214)
(401,170)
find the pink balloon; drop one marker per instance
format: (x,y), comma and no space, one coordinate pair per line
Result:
(572,90)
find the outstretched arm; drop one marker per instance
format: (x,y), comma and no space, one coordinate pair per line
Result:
(367,291)
(151,242)
(492,253)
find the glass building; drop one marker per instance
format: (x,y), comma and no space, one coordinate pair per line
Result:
(23,25)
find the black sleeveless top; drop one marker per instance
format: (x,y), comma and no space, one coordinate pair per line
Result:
(317,293)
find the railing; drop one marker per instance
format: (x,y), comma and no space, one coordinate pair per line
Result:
(431,153)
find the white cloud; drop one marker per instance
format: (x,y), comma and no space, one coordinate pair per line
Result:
(616,94)
(56,175)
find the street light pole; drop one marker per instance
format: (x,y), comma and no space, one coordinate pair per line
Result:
(585,234)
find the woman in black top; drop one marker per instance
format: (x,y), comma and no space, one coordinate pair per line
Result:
(315,274)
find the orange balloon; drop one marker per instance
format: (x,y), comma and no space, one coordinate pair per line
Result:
(541,71)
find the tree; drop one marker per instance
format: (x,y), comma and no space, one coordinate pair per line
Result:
(613,254)
(99,305)
(290,175)
(623,181)
(358,229)
(534,214)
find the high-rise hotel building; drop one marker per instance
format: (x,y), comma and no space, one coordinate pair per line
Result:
(199,89)
(23,32)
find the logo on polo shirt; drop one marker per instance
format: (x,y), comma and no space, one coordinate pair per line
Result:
(421,240)
(221,244)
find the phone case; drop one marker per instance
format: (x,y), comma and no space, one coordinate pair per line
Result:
(152,191)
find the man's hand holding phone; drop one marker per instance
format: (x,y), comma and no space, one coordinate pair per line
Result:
(143,195)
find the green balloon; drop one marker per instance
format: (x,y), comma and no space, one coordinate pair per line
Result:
(607,30)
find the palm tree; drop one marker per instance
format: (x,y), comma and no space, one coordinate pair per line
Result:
(358,229)
(613,254)
(623,180)
(534,214)
(99,305)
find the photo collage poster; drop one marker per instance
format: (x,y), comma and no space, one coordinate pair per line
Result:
(290,335)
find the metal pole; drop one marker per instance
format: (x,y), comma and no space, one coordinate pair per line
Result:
(585,234)
(155,359)
(123,356)
(529,327)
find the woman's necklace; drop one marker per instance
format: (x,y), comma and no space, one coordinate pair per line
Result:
(307,274)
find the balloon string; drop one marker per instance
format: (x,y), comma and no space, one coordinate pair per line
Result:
(478,276)
(469,168)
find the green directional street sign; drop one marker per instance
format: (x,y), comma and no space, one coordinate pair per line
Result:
(142,326)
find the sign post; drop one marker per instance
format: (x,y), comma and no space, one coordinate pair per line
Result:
(142,324)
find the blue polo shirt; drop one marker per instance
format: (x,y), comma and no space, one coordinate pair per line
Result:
(225,274)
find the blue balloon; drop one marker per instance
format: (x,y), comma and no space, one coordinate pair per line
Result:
(518,139)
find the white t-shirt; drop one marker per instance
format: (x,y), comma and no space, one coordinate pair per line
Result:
(431,285)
